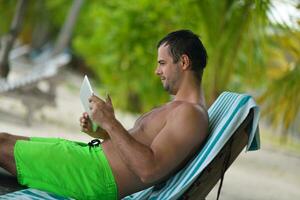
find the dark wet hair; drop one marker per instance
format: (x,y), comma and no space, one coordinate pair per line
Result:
(186,42)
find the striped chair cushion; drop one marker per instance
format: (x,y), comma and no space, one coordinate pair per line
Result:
(31,194)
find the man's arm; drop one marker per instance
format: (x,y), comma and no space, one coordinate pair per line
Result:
(183,132)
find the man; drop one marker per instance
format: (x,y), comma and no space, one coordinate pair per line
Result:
(158,145)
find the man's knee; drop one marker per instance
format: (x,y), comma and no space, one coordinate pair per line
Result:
(5,144)
(4,137)
(7,160)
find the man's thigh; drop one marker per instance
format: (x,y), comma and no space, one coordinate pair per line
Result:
(64,167)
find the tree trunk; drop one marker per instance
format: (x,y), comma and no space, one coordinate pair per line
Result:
(41,28)
(66,32)
(10,38)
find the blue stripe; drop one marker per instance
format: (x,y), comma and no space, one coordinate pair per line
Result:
(58,197)
(212,144)
(220,109)
(33,195)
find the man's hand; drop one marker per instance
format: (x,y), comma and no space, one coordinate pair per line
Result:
(87,127)
(86,123)
(102,112)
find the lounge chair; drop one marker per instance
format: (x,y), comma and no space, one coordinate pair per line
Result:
(233,125)
(26,88)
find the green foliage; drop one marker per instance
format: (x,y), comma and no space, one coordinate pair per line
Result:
(281,97)
(118,40)
(6,15)
(234,34)
(51,12)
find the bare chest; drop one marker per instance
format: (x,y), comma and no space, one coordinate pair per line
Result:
(150,124)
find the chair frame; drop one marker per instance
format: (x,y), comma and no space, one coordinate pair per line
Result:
(214,171)
(26,88)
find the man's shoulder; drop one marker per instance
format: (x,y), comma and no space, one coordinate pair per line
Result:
(188,119)
(190,110)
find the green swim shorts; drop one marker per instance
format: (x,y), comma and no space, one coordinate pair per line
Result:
(66,168)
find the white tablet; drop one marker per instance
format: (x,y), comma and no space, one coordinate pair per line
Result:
(86,92)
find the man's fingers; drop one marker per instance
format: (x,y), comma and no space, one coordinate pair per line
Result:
(94,98)
(82,120)
(84,126)
(84,117)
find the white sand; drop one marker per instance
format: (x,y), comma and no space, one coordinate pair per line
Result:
(265,174)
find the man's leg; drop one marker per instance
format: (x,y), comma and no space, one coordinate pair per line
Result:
(7,143)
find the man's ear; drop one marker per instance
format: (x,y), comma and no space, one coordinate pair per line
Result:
(185,62)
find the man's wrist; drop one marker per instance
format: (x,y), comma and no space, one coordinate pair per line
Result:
(113,125)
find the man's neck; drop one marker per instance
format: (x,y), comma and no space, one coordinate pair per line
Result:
(190,90)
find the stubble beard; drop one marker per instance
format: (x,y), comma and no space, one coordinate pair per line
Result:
(171,84)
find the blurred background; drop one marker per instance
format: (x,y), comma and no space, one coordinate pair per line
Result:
(253,47)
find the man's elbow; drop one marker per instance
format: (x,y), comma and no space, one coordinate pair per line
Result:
(148,176)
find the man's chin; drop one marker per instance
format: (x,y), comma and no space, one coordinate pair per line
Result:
(166,88)
(169,90)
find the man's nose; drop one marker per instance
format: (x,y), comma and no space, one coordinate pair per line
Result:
(158,70)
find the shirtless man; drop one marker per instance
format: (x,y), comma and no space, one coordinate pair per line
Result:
(127,161)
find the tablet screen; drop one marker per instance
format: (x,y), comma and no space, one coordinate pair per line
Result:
(86,92)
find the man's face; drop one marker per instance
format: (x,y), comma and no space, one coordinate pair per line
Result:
(168,71)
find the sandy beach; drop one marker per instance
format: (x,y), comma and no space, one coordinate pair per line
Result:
(265,174)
